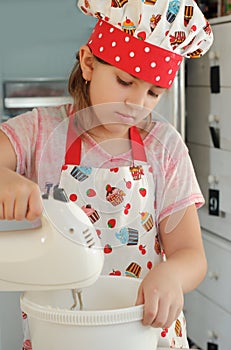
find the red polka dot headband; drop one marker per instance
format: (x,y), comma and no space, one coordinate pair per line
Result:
(145,61)
(148,39)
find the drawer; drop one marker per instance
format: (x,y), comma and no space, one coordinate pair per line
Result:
(213,112)
(216,285)
(207,322)
(216,224)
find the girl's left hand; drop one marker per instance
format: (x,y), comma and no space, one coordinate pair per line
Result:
(162,296)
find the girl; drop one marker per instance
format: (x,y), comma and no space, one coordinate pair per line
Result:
(131,174)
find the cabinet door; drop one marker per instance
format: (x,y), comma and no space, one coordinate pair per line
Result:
(212,164)
(216,164)
(216,284)
(207,322)
(213,112)
(198,111)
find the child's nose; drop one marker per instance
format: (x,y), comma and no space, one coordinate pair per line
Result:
(135,98)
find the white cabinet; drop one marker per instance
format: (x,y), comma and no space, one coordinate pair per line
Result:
(217,286)
(207,322)
(208,309)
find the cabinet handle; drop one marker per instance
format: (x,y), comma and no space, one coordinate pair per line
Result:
(213,275)
(213,180)
(213,118)
(212,335)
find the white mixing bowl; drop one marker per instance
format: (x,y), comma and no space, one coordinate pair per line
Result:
(109,319)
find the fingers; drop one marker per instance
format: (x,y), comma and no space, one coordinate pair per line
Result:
(1,211)
(165,316)
(23,202)
(151,307)
(159,312)
(20,209)
(8,207)
(34,209)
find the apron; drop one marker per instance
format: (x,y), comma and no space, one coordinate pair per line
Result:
(120,202)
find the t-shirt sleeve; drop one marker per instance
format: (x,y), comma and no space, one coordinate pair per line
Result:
(180,187)
(22,132)
(39,139)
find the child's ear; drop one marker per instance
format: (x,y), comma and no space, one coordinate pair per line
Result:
(86,60)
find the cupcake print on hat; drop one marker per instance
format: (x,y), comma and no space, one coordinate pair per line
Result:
(118,3)
(128,27)
(173,9)
(149,2)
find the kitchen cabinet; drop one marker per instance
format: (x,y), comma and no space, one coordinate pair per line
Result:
(208,309)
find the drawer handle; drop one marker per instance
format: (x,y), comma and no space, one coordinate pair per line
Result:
(212,335)
(213,275)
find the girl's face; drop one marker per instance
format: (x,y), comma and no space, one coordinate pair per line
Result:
(119,99)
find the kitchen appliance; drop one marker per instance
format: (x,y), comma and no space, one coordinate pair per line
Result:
(63,252)
(21,95)
(57,258)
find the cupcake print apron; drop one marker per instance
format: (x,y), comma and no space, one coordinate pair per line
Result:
(120,202)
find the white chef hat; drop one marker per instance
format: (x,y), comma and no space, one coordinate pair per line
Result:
(148,39)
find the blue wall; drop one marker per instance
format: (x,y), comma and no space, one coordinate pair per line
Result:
(39,38)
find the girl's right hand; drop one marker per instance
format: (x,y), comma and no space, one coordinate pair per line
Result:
(20,198)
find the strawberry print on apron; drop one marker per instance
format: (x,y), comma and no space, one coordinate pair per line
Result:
(120,202)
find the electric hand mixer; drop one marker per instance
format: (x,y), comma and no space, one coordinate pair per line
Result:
(62,253)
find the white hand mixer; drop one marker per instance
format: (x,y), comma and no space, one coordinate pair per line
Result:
(63,252)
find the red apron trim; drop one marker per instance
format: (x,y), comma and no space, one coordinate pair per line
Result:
(137,145)
(73,145)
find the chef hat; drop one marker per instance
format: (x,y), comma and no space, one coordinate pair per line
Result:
(148,39)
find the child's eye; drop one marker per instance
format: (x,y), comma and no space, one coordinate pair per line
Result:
(153,94)
(123,82)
